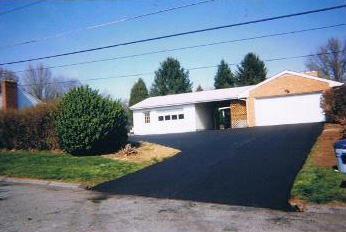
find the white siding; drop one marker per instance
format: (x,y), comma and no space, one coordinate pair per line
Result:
(289,110)
(166,126)
(204,116)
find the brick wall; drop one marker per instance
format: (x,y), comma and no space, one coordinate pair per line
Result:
(9,94)
(284,85)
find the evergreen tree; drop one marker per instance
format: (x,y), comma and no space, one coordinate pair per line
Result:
(171,78)
(199,88)
(224,77)
(139,92)
(251,71)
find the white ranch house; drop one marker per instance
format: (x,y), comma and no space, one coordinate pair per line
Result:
(286,98)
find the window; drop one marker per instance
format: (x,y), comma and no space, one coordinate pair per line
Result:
(167,117)
(181,116)
(147,117)
(160,118)
(174,117)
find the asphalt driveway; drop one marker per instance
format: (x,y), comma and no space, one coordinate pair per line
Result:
(249,167)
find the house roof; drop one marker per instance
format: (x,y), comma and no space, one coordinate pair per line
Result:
(190,98)
(25,99)
(287,72)
(218,94)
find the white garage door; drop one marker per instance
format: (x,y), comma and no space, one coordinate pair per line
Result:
(289,110)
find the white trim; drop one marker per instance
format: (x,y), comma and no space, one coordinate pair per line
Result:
(182,104)
(331,83)
(30,95)
(190,98)
(224,108)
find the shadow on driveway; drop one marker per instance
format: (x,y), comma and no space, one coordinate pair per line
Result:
(249,167)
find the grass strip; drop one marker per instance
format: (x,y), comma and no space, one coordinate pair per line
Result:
(89,170)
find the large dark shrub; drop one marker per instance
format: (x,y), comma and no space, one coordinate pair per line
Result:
(334,104)
(89,123)
(29,128)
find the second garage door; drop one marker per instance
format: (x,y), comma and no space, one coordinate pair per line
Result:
(303,108)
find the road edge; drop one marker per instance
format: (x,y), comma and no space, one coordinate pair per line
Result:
(41,182)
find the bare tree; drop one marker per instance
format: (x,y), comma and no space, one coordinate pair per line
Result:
(39,82)
(330,63)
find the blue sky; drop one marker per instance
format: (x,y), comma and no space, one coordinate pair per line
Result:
(52,17)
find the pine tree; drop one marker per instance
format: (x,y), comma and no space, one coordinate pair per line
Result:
(139,92)
(224,77)
(171,78)
(251,71)
(199,88)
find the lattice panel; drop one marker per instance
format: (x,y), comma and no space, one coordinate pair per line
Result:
(238,114)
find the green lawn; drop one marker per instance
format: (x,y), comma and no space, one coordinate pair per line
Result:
(317,184)
(89,170)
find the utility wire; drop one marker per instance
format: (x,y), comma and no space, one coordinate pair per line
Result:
(190,47)
(189,69)
(21,7)
(179,34)
(66,33)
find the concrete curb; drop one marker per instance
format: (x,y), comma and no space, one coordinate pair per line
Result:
(325,209)
(41,182)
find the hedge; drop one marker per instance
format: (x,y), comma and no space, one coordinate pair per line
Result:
(30,128)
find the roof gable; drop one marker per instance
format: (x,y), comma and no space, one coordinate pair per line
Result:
(287,72)
(25,99)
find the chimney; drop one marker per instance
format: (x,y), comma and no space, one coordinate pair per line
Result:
(311,73)
(9,94)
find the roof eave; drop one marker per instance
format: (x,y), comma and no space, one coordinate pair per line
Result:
(331,83)
(185,103)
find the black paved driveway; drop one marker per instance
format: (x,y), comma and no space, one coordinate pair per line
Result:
(250,167)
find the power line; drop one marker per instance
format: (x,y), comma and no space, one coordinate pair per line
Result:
(21,7)
(66,33)
(190,47)
(178,34)
(188,69)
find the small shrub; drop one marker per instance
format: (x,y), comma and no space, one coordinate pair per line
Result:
(89,123)
(30,128)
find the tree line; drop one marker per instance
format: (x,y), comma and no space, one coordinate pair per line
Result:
(171,78)
(39,81)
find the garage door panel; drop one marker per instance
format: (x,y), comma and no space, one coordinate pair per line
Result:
(289,110)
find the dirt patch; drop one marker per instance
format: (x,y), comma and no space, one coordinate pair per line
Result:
(146,152)
(324,153)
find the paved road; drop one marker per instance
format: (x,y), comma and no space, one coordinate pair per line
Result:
(248,167)
(28,208)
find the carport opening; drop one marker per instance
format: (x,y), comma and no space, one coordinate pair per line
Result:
(221,115)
